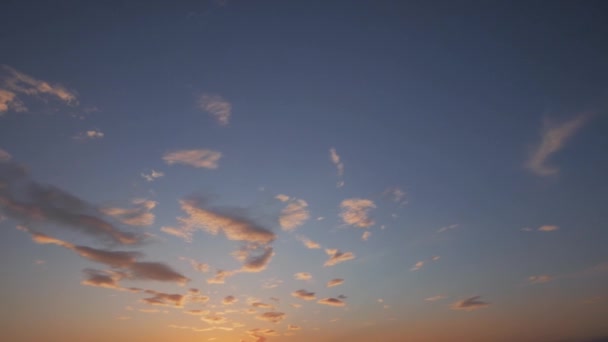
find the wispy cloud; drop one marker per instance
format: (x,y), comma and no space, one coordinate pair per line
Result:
(216,106)
(274,317)
(141,215)
(294,215)
(417,266)
(355,212)
(548,228)
(89,135)
(335,282)
(4,156)
(282,197)
(152,176)
(539,279)
(214,319)
(447,228)
(309,243)
(164,299)
(331,302)
(554,136)
(396,195)
(200,158)
(469,304)
(303,294)
(335,159)
(229,300)
(336,257)
(366,235)
(302,276)
(9,101)
(435,298)
(198,266)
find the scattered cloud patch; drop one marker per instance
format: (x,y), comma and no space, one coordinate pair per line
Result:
(355,212)
(447,228)
(282,198)
(435,298)
(470,304)
(331,302)
(198,266)
(201,158)
(548,228)
(4,156)
(335,159)
(309,243)
(336,257)
(302,276)
(396,195)
(539,279)
(229,300)
(152,176)
(164,299)
(335,282)
(89,135)
(219,108)
(366,235)
(303,294)
(274,317)
(140,216)
(294,215)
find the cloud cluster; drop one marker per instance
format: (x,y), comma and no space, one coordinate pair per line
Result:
(200,158)
(216,106)
(294,215)
(355,212)
(553,138)
(336,257)
(447,228)
(396,195)
(229,300)
(302,276)
(141,215)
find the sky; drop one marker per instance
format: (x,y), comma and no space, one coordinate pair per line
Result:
(265,170)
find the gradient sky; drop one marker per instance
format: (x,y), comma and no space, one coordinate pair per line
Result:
(245,170)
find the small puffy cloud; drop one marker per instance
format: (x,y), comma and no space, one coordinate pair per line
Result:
(201,158)
(435,298)
(228,300)
(164,299)
(435,258)
(214,319)
(274,317)
(554,136)
(282,198)
(302,276)
(293,327)
(262,305)
(396,195)
(331,302)
(303,294)
(366,235)
(220,277)
(294,215)
(335,282)
(271,283)
(4,156)
(469,304)
(548,228)
(417,266)
(335,159)
(309,243)
(141,215)
(89,135)
(216,106)
(198,266)
(355,212)
(336,257)
(539,279)
(152,176)
(106,279)
(447,228)
(213,221)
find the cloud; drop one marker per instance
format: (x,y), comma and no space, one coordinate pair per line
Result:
(469,304)
(152,176)
(105,279)
(262,305)
(15,82)
(417,266)
(141,215)
(257,263)
(303,294)
(335,282)
(198,266)
(274,317)
(294,215)
(366,235)
(446,228)
(196,312)
(302,276)
(37,204)
(228,300)
(164,299)
(127,261)
(293,327)
(216,106)
(195,296)
(282,198)
(355,212)
(435,258)
(435,298)
(213,221)
(214,319)
(220,277)
(396,195)
(201,158)
(331,302)
(89,135)
(554,136)
(335,159)
(539,279)
(4,156)
(336,257)
(309,243)
(548,228)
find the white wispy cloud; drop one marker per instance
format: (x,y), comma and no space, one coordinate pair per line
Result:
(152,176)
(366,235)
(89,135)
(302,276)
(355,212)
(335,159)
(396,194)
(216,106)
(435,298)
(554,137)
(200,158)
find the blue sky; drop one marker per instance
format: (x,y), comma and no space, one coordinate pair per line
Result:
(446,157)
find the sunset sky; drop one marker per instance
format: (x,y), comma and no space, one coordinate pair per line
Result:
(253,170)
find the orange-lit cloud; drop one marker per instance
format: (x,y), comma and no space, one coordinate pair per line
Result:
(331,302)
(554,136)
(214,319)
(548,228)
(469,304)
(228,300)
(303,294)
(17,82)
(293,327)
(141,215)
(366,235)
(302,276)
(335,159)
(294,215)
(217,107)
(417,266)
(435,298)
(355,212)
(220,277)
(262,305)
(309,243)
(201,158)
(274,317)
(9,101)
(198,266)
(336,257)
(335,282)
(164,299)
(282,197)
(106,279)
